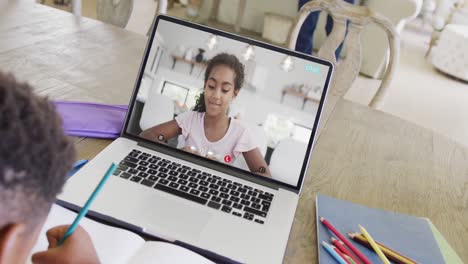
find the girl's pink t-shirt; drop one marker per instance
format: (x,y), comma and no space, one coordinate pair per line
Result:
(236,140)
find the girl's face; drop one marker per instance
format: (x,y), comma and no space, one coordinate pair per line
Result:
(219,90)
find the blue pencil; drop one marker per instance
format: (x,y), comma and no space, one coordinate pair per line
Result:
(332,252)
(85,208)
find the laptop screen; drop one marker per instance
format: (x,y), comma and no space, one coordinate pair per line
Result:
(229,99)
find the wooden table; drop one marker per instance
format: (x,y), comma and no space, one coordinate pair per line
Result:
(362,155)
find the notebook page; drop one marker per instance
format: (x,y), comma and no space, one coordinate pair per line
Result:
(166,253)
(113,245)
(448,252)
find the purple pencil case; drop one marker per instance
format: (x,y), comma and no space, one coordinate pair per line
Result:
(91,119)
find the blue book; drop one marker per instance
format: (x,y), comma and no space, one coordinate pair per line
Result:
(411,236)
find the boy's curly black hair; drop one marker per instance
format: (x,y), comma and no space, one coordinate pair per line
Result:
(221,59)
(35,154)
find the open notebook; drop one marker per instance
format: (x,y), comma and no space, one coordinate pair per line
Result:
(115,245)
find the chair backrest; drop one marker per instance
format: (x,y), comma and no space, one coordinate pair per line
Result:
(286,160)
(161,10)
(157,110)
(347,69)
(115,12)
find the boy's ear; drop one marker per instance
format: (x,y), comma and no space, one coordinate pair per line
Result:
(10,239)
(236,92)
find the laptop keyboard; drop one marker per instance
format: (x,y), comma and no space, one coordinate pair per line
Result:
(201,187)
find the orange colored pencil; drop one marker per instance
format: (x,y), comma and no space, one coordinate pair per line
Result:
(391,254)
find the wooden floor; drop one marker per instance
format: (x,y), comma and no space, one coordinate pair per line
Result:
(89,10)
(88,7)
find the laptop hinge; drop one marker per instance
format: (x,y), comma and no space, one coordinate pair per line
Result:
(223,169)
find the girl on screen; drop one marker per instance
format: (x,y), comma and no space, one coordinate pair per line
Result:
(207,129)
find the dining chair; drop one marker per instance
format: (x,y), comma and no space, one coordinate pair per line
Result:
(160,104)
(447,12)
(350,18)
(161,10)
(286,160)
(115,12)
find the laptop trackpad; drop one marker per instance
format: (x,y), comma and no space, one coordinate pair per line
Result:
(159,213)
(174,218)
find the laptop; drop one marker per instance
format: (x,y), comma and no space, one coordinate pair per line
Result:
(208,158)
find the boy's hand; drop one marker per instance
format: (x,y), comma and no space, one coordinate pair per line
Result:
(77,248)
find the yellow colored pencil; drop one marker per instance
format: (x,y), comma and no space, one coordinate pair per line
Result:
(374,245)
(391,254)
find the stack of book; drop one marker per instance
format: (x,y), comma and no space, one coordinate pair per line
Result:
(387,236)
